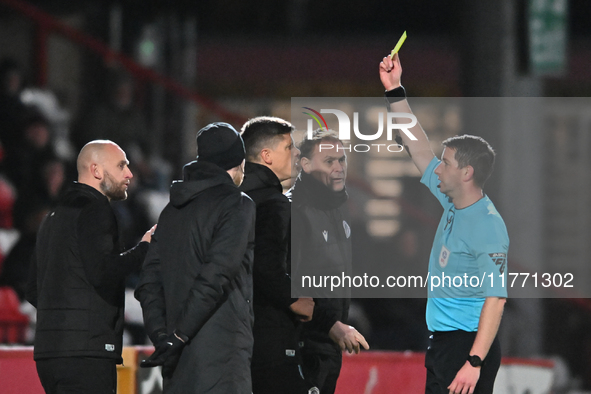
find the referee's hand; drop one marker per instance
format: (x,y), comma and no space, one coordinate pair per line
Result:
(390,72)
(465,380)
(347,337)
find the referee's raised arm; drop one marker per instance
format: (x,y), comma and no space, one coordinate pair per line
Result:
(419,150)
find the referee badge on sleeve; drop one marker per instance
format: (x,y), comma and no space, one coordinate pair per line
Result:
(500,259)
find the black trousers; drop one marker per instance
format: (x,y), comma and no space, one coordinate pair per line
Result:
(322,372)
(78,375)
(447,353)
(283,378)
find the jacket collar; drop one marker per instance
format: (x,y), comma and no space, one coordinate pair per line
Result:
(83,188)
(308,190)
(258,176)
(197,177)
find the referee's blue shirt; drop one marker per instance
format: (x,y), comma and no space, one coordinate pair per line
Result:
(468,260)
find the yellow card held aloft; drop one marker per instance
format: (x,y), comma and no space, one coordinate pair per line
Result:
(398,44)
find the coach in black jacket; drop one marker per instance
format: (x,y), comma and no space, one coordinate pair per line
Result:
(77,277)
(271,156)
(196,283)
(321,245)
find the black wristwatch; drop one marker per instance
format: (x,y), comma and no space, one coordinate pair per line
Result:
(475,361)
(395,95)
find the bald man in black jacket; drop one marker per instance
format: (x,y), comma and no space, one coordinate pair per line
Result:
(77,277)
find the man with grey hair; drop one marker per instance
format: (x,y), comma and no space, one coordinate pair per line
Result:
(77,277)
(321,243)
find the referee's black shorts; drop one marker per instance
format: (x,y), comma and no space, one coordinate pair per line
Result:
(447,353)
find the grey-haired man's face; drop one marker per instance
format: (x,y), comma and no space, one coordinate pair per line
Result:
(328,165)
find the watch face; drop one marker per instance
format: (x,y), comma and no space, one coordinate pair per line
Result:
(475,361)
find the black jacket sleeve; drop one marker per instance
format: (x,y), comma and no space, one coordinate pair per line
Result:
(270,274)
(150,292)
(105,268)
(223,261)
(325,313)
(31,294)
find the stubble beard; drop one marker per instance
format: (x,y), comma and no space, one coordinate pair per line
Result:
(112,190)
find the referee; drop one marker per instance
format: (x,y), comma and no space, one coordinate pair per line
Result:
(464,353)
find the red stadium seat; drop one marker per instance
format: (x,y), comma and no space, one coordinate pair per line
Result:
(13,323)
(7,199)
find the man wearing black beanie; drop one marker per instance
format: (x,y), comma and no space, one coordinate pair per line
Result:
(196,283)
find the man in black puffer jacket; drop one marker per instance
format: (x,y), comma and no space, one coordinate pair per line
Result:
(77,277)
(271,156)
(196,283)
(321,245)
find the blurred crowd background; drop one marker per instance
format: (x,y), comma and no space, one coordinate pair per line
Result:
(148,74)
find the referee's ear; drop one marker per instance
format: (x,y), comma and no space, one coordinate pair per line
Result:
(468,173)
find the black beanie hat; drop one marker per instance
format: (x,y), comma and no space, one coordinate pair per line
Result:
(219,143)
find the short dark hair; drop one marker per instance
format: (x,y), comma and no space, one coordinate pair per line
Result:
(260,132)
(473,151)
(308,145)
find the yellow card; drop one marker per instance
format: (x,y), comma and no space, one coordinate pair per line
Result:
(398,44)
